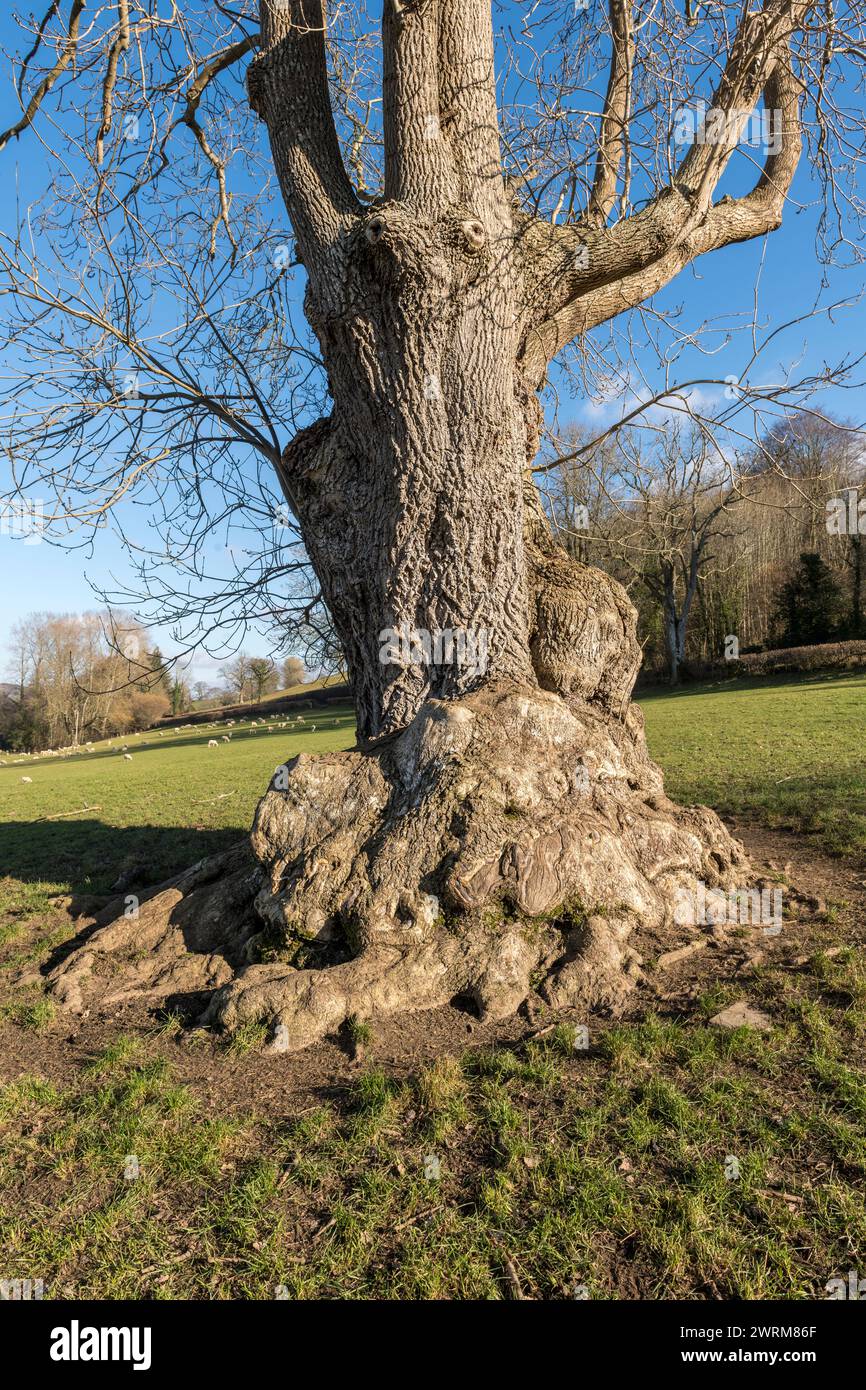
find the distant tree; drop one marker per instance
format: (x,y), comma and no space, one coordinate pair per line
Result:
(146,707)
(161,678)
(179,697)
(236,674)
(658,514)
(76,678)
(810,605)
(263,676)
(294,672)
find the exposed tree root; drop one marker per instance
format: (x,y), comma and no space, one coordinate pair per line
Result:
(506,844)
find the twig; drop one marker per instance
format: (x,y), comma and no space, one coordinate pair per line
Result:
(419,1216)
(79,812)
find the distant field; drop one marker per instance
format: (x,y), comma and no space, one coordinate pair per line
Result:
(789,752)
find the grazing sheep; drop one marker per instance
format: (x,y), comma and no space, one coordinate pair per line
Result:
(227,738)
(127,757)
(212,743)
(26,779)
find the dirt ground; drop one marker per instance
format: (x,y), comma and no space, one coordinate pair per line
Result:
(825,908)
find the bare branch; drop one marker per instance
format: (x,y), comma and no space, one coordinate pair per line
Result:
(615,117)
(288,88)
(64,58)
(115,53)
(625,265)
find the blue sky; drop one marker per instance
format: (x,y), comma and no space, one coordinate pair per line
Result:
(46,577)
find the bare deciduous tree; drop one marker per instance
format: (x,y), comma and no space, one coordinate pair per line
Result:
(502,771)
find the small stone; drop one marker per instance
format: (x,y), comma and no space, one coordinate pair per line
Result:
(742,1015)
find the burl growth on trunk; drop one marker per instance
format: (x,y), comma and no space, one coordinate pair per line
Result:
(513,846)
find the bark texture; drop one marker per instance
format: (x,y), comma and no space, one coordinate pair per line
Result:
(507,844)
(500,830)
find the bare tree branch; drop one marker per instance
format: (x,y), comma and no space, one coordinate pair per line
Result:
(288,88)
(65,57)
(615,116)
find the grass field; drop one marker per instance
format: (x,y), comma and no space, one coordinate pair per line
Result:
(787,753)
(174,802)
(516,1168)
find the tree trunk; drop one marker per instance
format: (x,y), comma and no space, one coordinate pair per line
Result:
(500,832)
(857,586)
(675,627)
(409,498)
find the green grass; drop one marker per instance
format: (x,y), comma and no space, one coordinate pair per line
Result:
(604,1172)
(788,753)
(175,802)
(667,1161)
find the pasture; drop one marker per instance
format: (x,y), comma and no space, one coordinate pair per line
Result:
(437,1157)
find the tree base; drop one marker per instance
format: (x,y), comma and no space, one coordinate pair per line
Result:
(507,845)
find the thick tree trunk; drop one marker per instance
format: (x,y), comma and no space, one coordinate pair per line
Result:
(410,497)
(500,831)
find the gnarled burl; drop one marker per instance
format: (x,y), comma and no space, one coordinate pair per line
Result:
(498,832)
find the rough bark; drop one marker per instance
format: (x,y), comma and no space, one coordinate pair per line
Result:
(509,843)
(500,828)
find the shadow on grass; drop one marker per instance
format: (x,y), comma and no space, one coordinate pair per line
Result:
(91,857)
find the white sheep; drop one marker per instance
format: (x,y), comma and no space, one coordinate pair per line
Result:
(26,779)
(127,757)
(227,738)
(212,743)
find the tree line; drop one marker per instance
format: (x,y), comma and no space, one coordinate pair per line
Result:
(721,553)
(79,677)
